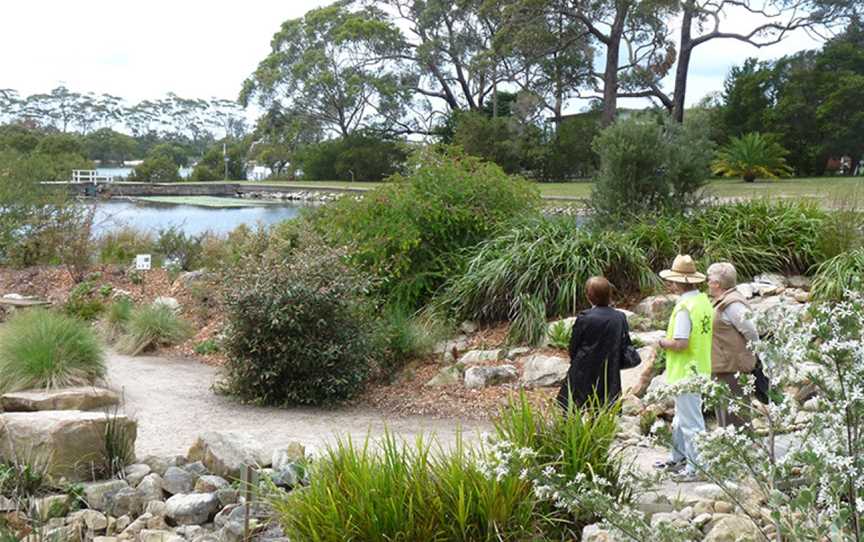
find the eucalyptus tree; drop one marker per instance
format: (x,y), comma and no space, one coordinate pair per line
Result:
(335,65)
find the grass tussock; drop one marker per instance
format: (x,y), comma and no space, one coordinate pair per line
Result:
(117,317)
(842,272)
(152,326)
(545,259)
(44,349)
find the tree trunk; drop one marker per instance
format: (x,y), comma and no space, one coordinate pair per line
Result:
(683,65)
(610,75)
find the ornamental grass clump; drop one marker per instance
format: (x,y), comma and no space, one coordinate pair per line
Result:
(152,326)
(549,259)
(841,273)
(44,349)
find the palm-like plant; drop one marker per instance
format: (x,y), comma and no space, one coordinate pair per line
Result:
(752,156)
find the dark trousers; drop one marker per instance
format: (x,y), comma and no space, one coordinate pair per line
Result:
(724,417)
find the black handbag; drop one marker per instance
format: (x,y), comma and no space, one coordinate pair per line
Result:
(630,357)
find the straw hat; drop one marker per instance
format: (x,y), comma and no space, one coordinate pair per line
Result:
(683,271)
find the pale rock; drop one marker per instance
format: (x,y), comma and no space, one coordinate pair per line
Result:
(723,507)
(190,532)
(481,356)
(94,520)
(168,302)
(177,480)
(703,507)
(733,529)
(657,308)
(126,501)
(540,371)
(136,526)
(133,474)
(713,492)
(157,523)
(106,539)
(151,488)
(596,533)
(802,297)
(95,493)
(153,535)
(159,464)
(459,343)
(7,505)
(482,377)
(72,440)
(446,376)
(746,290)
(156,509)
(288,476)
(192,509)
(188,277)
(121,523)
(291,453)
(196,469)
(77,398)
(447,358)
(226,453)
(631,406)
(647,338)
(210,484)
(811,404)
(702,520)
(468,327)
(671,518)
(515,353)
(799,281)
(227,496)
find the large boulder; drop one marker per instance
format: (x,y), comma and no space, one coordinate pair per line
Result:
(96,493)
(447,376)
(79,398)
(192,509)
(226,453)
(483,377)
(481,356)
(539,370)
(733,529)
(657,308)
(178,480)
(70,441)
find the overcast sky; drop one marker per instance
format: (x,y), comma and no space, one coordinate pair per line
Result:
(197,48)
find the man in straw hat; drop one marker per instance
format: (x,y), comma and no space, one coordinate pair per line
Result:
(688,353)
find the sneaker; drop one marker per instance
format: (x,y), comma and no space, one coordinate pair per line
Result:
(670,465)
(685,476)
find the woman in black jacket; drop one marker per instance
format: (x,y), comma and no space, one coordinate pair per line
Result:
(597,349)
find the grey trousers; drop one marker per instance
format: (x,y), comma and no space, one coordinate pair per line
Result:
(687,423)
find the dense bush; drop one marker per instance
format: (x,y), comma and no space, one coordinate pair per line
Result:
(410,231)
(358,157)
(151,326)
(158,168)
(43,349)
(647,166)
(121,245)
(514,146)
(182,249)
(83,302)
(549,259)
(211,167)
(301,329)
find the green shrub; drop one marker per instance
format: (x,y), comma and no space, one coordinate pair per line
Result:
(121,245)
(207,347)
(402,491)
(301,328)
(43,349)
(156,169)
(406,337)
(358,157)
(82,302)
(577,443)
(183,249)
(560,334)
(22,478)
(528,325)
(842,272)
(549,258)
(152,326)
(752,156)
(648,166)
(410,232)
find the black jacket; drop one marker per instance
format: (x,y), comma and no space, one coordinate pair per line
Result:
(600,336)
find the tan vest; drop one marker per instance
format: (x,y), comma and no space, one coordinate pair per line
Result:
(729,353)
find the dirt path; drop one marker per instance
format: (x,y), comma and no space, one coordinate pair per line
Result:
(173,403)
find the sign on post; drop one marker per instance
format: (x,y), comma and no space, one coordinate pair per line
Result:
(142,262)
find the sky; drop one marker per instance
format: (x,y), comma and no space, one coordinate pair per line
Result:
(202,49)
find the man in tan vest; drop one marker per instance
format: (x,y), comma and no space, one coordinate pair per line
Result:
(733,331)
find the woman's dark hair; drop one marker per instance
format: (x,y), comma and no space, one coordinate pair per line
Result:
(598,290)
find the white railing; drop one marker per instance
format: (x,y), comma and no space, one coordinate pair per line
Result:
(90,176)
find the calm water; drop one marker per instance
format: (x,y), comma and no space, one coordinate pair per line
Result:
(192,219)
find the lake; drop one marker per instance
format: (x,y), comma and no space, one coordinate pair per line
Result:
(192,219)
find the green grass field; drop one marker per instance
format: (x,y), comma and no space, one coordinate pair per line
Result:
(830,190)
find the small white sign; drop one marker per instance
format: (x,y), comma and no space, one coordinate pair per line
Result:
(142,262)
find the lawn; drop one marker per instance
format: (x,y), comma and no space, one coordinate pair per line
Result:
(828,189)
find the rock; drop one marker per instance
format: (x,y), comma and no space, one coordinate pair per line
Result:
(703,507)
(288,476)
(746,290)
(156,509)
(723,507)
(196,469)
(448,358)
(210,484)
(802,296)
(674,519)
(160,464)
(733,529)
(514,353)
(227,496)
(94,520)
(126,501)
(596,533)
(232,519)
(177,480)
(647,338)
(133,474)
(459,343)
(713,492)
(468,327)
(157,523)
(798,281)
(291,453)
(657,308)
(169,302)
(482,377)
(631,406)
(192,509)
(811,405)
(79,398)
(72,440)
(539,370)
(121,523)
(188,277)
(95,493)
(225,453)
(150,535)
(702,520)
(106,539)
(447,376)
(151,488)
(132,530)
(481,356)
(773,279)
(190,532)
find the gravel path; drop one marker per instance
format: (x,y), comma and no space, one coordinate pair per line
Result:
(173,403)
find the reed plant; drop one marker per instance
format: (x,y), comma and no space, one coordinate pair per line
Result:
(152,326)
(842,272)
(43,349)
